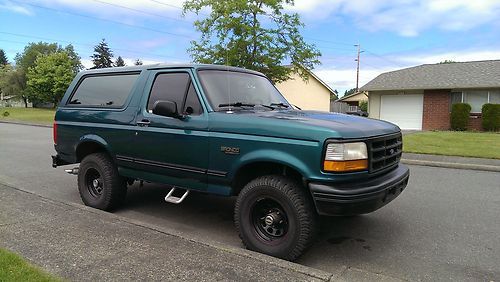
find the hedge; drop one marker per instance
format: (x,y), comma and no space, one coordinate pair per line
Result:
(491,117)
(460,116)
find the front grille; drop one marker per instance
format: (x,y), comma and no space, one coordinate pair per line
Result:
(384,152)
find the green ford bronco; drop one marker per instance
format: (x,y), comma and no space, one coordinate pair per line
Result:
(225,131)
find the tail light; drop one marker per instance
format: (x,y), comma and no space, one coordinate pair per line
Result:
(54,132)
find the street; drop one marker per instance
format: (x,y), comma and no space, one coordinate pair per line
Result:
(444,226)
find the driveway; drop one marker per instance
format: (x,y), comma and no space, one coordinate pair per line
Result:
(444,226)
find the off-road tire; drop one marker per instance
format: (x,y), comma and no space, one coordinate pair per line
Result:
(113,186)
(295,202)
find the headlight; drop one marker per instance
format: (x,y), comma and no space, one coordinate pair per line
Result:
(342,157)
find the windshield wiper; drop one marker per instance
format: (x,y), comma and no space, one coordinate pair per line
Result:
(280,105)
(237,104)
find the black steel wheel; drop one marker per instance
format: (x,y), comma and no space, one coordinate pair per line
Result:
(274,215)
(99,183)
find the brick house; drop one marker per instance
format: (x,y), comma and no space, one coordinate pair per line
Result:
(420,98)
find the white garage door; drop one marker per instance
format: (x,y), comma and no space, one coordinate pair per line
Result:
(403,110)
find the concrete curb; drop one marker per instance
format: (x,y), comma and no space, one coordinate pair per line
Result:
(25,123)
(452,165)
(290,266)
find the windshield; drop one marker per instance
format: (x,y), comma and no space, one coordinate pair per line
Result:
(238,89)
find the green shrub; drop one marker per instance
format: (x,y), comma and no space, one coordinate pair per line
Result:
(363,105)
(460,116)
(491,117)
(6,114)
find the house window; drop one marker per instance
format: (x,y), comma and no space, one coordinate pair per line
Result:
(476,99)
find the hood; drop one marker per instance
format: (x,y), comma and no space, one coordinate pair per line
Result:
(306,125)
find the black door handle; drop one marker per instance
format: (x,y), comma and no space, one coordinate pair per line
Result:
(143,122)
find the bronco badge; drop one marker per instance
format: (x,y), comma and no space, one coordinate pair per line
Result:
(230,150)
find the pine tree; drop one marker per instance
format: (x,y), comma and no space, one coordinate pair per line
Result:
(3,58)
(119,62)
(138,62)
(103,56)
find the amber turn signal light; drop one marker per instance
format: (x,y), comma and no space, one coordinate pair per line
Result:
(343,166)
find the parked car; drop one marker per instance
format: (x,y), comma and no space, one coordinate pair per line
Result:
(225,131)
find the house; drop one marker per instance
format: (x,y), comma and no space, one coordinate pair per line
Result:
(313,94)
(354,99)
(420,97)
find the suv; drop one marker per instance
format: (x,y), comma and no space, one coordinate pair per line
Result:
(225,131)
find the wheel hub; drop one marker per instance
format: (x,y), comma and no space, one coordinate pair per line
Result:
(270,222)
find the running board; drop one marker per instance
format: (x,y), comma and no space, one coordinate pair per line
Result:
(173,199)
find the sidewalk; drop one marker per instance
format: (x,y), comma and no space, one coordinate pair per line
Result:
(451,162)
(83,244)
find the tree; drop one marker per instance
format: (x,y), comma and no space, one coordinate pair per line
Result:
(138,62)
(447,62)
(103,56)
(350,91)
(13,83)
(334,96)
(50,77)
(3,58)
(27,60)
(119,62)
(252,34)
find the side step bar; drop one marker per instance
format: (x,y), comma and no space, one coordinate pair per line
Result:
(170,198)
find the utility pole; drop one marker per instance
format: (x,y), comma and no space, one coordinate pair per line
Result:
(357,69)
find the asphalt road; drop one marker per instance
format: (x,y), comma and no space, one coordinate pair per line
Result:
(445,225)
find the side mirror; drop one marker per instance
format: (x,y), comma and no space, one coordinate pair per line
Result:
(166,108)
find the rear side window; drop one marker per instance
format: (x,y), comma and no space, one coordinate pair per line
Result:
(104,91)
(178,88)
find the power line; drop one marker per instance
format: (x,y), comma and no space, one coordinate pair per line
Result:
(104,20)
(141,11)
(81,44)
(384,58)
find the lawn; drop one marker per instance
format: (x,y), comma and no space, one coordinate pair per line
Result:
(14,268)
(30,115)
(452,143)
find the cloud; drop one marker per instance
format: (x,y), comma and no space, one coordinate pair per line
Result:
(458,56)
(7,5)
(404,17)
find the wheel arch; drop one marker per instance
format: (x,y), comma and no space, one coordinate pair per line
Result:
(254,168)
(90,144)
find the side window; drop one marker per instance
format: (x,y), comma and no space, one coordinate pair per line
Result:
(169,87)
(104,91)
(178,88)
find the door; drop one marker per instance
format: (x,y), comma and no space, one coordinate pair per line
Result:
(172,150)
(403,110)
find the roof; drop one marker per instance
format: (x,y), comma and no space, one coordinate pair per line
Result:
(362,95)
(168,66)
(477,74)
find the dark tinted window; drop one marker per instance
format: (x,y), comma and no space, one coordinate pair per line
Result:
(104,91)
(174,87)
(193,106)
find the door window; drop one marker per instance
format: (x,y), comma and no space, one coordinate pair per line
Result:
(178,88)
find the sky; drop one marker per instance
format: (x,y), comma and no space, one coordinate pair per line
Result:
(393,34)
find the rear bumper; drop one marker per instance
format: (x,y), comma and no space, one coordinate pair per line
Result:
(350,198)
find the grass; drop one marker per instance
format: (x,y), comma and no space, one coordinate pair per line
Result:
(30,115)
(14,268)
(454,143)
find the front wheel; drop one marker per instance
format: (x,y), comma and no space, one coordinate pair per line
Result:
(99,183)
(275,216)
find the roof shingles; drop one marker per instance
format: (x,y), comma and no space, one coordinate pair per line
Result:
(478,74)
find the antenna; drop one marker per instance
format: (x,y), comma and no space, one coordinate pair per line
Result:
(230,110)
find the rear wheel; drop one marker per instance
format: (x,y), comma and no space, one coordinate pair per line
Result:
(99,183)
(275,216)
